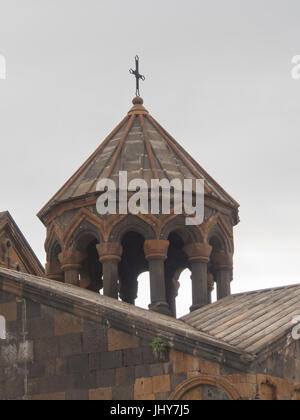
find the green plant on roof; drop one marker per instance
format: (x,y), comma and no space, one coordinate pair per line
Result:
(158,345)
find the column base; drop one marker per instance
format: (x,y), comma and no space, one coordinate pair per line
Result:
(161,307)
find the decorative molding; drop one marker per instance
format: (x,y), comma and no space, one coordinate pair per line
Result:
(201,380)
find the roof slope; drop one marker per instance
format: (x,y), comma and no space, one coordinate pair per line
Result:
(140,146)
(20,244)
(249,321)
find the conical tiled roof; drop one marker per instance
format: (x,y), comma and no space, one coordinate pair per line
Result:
(140,146)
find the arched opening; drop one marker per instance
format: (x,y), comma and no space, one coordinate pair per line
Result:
(90,275)
(175,264)
(185,296)
(220,266)
(217,246)
(143,299)
(2,328)
(132,265)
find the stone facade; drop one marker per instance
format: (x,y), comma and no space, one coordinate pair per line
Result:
(59,351)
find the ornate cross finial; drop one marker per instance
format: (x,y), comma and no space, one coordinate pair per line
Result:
(137,75)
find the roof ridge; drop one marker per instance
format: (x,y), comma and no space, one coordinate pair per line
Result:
(290,286)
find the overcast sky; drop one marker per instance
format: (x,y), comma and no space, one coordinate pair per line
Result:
(218,78)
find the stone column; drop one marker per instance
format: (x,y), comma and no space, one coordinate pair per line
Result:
(223,266)
(156,252)
(198,255)
(110,254)
(54,271)
(211,286)
(71,261)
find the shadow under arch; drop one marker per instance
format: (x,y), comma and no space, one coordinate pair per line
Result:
(91,272)
(175,264)
(129,224)
(133,263)
(188,234)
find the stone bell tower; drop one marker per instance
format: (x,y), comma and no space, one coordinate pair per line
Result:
(110,252)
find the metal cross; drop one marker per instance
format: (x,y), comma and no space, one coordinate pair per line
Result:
(137,75)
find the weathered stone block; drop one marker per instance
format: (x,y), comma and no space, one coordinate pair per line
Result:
(70,344)
(106,378)
(100,394)
(133,357)
(57,396)
(78,363)
(118,340)
(94,338)
(9,311)
(25,352)
(46,348)
(161,384)
(125,376)
(77,395)
(111,360)
(143,386)
(65,323)
(8,355)
(123,393)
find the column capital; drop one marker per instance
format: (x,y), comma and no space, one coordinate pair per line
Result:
(156,249)
(110,251)
(198,252)
(222,261)
(54,271)
(71,259)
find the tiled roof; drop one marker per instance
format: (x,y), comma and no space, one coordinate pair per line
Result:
(249,321)
(140,146)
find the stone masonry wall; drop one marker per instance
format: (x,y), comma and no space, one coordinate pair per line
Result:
(49,354)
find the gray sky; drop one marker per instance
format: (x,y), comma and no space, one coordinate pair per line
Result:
(218,79)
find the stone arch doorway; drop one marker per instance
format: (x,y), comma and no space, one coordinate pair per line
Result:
(205,388)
